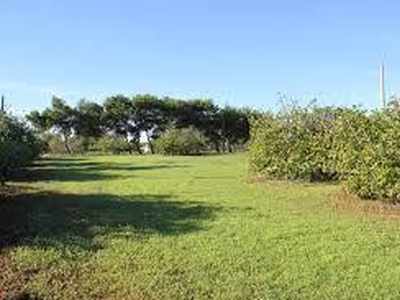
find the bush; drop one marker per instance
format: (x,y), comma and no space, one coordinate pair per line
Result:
(317,144)
(368,147)
(84,145)
(186,141)
(56,145)
(294,144)
(114,145)
(18,145)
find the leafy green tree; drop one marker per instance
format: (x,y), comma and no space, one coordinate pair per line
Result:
(201,114)
(149,116)
(90,119)
(183,114)
(230,127)
(118,114)
(143,115)
(60,117)
(233,126)
(120,119)
(89,122)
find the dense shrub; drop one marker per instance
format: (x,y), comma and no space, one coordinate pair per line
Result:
(18,145)
(186,141)
(113,145)
(317,144)
(296,143)
(368,148)
(84,145)
(56,145)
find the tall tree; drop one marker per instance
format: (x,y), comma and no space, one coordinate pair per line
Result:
(194,113)
(149,116)
(232,124)
(60,117)
(119,118)
(90,119)
(198,113)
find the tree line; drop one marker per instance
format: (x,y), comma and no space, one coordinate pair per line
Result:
(128,120)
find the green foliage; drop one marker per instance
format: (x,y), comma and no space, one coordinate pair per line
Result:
(90,119)
(317,144)
(126,227)
(18,145)
(294,144)
(60,118)
(55,144)
(113,145)
(368,147)
(185,141)
(231,126)
(118,114)
(226,128)
(150,116)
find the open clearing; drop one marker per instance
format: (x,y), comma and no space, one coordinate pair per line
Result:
(124,227)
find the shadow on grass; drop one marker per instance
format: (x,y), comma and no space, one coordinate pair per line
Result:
(68,220)
(77,169)
(59,174)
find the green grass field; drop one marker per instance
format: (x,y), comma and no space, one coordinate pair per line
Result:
(123,227)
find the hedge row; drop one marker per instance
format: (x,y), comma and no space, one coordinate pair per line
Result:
(357,147)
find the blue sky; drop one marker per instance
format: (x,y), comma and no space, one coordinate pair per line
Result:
(237,52)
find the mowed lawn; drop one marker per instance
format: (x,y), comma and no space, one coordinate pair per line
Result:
(126,227)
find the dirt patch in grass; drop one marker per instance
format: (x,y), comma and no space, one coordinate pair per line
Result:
(342,201)
(281,182)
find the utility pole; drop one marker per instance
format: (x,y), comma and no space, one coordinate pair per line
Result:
(2,109)
(382,85)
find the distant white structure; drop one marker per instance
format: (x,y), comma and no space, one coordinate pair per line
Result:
(145,147)
(382,92)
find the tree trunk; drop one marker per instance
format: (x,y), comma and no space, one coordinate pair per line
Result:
(138,147)
(86,144)
(216,147)
(229,147)
(129,145)
(66,144)
(223,146)
(149,143)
